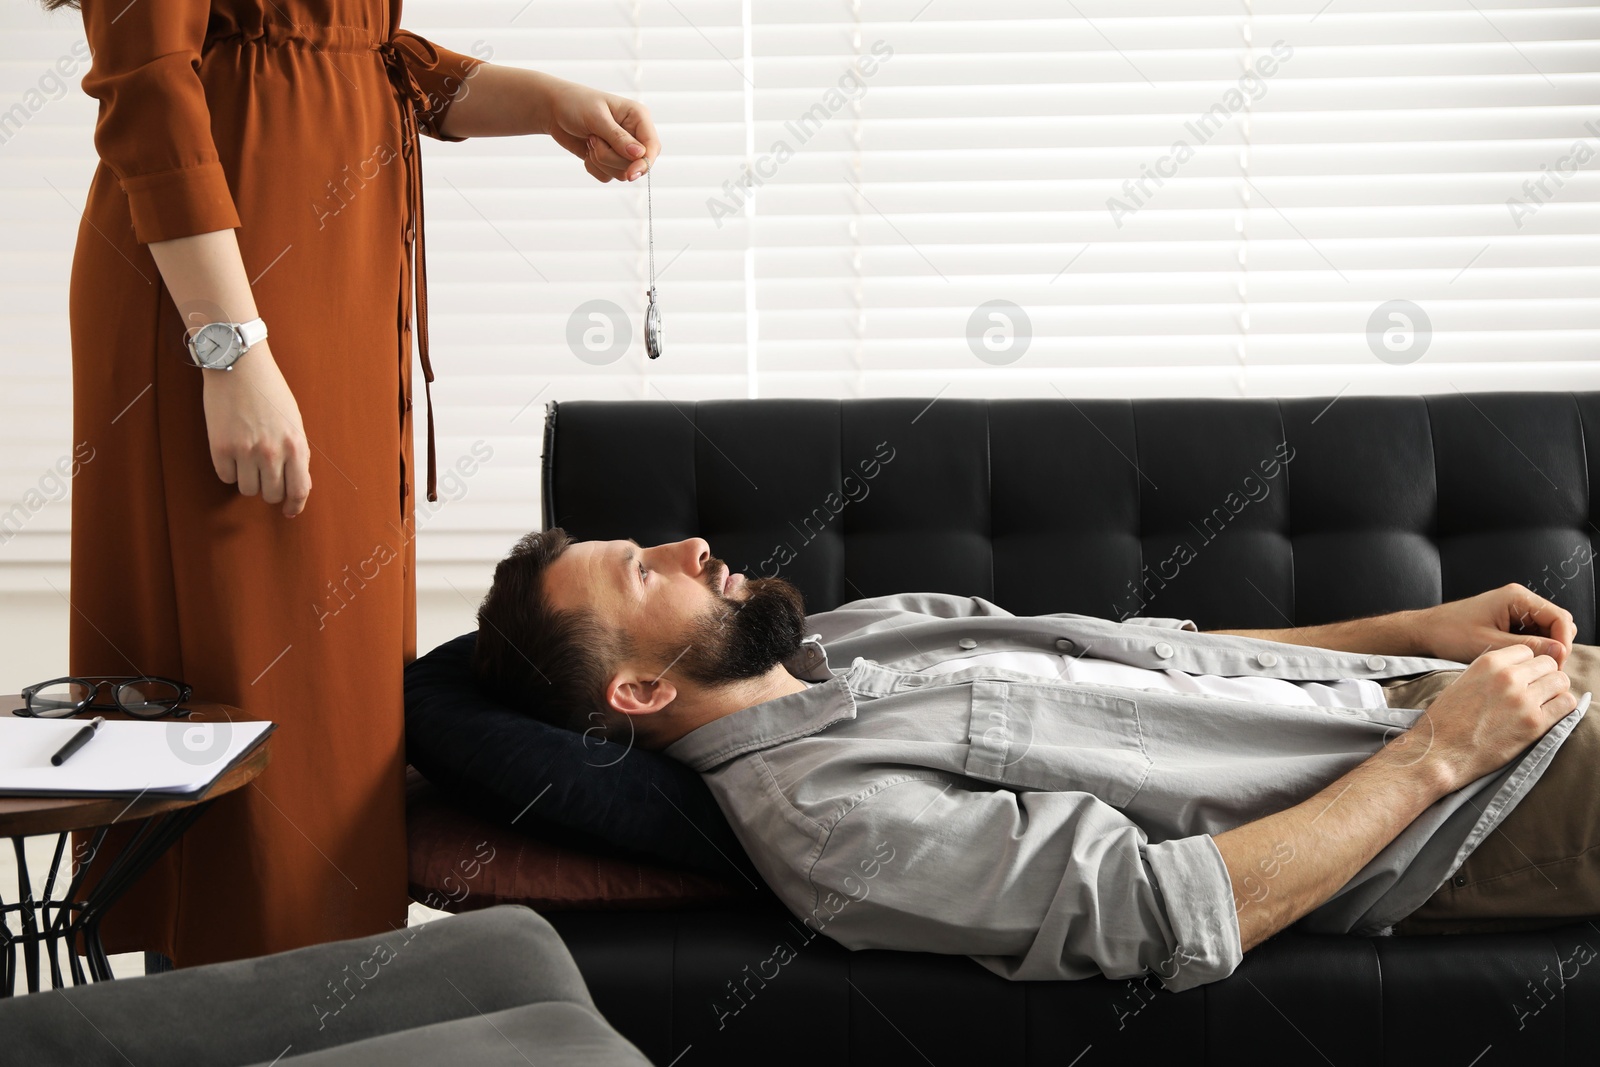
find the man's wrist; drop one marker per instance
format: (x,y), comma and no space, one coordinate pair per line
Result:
(1411,757)
(1405,633)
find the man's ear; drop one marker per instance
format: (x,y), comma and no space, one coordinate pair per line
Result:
(636,694)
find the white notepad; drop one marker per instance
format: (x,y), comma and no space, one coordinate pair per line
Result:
(169,756)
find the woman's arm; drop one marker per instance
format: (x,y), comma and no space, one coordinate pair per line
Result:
(611,134)
(257,439)
(154,133)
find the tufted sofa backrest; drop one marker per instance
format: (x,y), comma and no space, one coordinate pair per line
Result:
(1231,512)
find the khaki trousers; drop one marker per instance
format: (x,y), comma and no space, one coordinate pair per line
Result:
(1541,866)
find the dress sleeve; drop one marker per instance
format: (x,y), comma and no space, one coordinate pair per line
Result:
(154,127)
(443,75)
(1038,885)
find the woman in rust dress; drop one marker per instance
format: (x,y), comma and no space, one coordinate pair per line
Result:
(259,158)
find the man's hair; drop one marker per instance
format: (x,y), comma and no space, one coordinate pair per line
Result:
(553,664)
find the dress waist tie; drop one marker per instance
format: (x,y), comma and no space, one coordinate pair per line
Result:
(415,100)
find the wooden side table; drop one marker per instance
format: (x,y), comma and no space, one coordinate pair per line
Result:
(48,924)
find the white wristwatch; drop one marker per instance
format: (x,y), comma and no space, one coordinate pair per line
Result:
(218,345)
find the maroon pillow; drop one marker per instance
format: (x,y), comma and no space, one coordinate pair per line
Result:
(460,861)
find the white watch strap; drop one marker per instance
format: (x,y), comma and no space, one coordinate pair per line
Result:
(252,333)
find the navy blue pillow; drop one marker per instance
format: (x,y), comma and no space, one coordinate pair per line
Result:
(514,767)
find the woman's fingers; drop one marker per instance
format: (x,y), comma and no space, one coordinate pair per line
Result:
(636,117)
(595,170)
(271,474)
(224,465)
(249,476)
(606,160)
(627,143)
(619,146)
(297,481)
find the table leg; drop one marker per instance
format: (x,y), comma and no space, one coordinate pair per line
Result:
(58,924)
(29,919)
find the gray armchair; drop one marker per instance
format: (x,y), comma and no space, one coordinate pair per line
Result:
(487,988)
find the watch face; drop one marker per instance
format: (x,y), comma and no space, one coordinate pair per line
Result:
(215,345)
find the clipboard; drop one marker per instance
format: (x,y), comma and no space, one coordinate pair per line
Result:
(176,758)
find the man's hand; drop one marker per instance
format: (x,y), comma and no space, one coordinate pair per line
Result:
(1463,630)
(1504,702)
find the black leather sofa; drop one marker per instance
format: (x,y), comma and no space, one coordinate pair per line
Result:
(1061,505)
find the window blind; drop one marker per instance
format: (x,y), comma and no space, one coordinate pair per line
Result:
(942,198)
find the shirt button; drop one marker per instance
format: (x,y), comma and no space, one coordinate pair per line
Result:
(1266,659)
(967,642)
(1375,663)
(411,233)
(408,403)
(1459,880)
(1163,650)
(1064,644)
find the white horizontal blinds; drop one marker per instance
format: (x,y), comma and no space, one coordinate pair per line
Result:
(521,238)
(46,160)
(1451,166)
(1054,155)
(989,155)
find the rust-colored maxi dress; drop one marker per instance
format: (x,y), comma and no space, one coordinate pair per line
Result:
(294,122)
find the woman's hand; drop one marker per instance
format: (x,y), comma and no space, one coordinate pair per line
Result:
(611,134)
(257,439)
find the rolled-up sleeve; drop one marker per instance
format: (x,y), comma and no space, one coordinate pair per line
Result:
(1032,885)
(154,126)
(1166,624)
(444,77)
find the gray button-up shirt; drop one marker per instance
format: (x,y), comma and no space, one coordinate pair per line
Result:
(1050,829)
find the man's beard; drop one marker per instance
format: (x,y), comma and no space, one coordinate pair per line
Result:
(736,639)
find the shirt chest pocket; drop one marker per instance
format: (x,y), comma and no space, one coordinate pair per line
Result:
(1055,737)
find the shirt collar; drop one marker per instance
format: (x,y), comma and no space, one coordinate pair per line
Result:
(772,722)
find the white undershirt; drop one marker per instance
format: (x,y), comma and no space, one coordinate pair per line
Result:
(1345,693)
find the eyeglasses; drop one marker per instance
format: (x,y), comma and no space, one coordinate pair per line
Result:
(145,696)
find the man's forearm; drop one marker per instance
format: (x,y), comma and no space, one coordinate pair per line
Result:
(1395,634)
(1285,865)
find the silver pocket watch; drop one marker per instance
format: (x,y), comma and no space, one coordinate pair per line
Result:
(652,314)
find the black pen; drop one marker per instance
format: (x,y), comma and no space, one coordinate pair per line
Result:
(79,739)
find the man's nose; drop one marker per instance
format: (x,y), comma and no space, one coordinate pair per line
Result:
(693,554)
